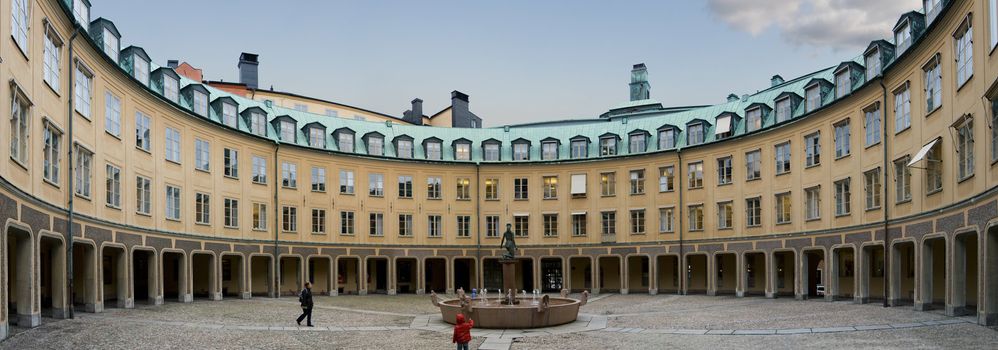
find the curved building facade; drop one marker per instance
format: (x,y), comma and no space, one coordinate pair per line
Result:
(125,182)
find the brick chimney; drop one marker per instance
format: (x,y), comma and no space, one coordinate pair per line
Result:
(248,63)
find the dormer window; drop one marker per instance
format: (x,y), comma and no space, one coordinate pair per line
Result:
(580,148)
(403,149)
(723,127)
(81,11)
(813,103)
(375,145)
(344,142)
(171,88)
(608,146)
(872,64)
(433,150)
(902,38)
(258,123)
(521,150)
(140,70)
(637,143)
(753,119)
(491,151)
(843,83)
(694,134)
(549,150)
(932,8)
(111,45)
(287,131)
(666,138)
(462,150)
(200,103)
(317,138)
(229,115)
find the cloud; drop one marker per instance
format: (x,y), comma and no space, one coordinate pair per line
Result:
(833,24)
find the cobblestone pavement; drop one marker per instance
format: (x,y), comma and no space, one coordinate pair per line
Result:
(608,321)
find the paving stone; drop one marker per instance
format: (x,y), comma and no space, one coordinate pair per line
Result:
(720,332)
(754,331)
(794,331)
(872,327)
(905,325)
(689,331)
(832,329)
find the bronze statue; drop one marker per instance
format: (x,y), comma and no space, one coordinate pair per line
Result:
(508,243)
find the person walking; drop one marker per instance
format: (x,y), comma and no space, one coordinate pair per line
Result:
(462,332)
(305,298)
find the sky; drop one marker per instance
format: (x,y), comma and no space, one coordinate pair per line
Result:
(520,61)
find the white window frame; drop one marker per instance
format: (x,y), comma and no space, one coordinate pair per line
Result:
(112,114)
(172,144)
(83,90)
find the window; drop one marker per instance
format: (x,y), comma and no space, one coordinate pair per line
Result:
(143,195)
(172,145)
(637,143)
(753,119)
(608,184)
(289,219)
(637,221)
(259,170)
(667,179)
(783,111)
(842,139)
(202,155)
(993,22)
(521,225)
(301,107)
(902,38)
(491,189)
(491,152)
(696,217)
(433,187)
(317,139)
(172,202)
(608,146)
(695,175)
(433,150)
(753,212)
(84,166)
(19,23)
(19,119)
(200,103)
(608,223)
(812,149)
(520,189)
(433,225)
(843,84)
(724,171)
(258,124)
(521,151)
(140,69)
(931,10)
(230,163)
(549,150)
(666,218)
(580,149)
(289,175)
(462,151)
(550,225)
(346,180)
(812,203)
(111,45)
(171,89)
(376,185)
(344,142)
(872,64)
(81,12)
(783,215)
(813,98)
(377,224)
(872,125)
(842,197)
(965,148)
(933,170)
(231,211)
(550,187)
(84,82)
(637,181)
(753,165)
(694,134)
(579,224)
(783,158)
(113,186)
(405,186)
(666,138)
(724,126)
(964,54)
(332,113)
(405,225)
(902,180)
(933,85)
(871,185)
(375,146)
(52,156)
(404,149)
(51,63)
(259,217)
(902,109)
(287,131)
(463,188)
(318,221)
(491,226)
(725,215)
(202,208)
(464,226)
(578,185)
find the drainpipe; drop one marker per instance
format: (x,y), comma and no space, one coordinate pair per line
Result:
(478,224)
(277,215)
(69,179)
(887,232)
(679,219)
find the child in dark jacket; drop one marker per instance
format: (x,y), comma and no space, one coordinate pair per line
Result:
(462,332)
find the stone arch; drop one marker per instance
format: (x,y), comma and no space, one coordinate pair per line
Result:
(289,274)
(261,283)
(842,276)
(785,272)
(20,290)
(639,273)
(145,280)
(174,269)
(347,274)
(51,276)
(114,280)
(232,275)
(932,272)
(667,273)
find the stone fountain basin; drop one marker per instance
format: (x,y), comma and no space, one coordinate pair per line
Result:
(526,314)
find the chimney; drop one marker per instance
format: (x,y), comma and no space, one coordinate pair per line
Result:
(172,64)
(461,116)
(733,98)
(775,80)
(640,89)
(415,115)
(248,63)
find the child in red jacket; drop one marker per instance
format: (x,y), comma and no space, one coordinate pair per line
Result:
(462,332)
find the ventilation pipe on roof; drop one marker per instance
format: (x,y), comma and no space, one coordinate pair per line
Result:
(732,98)
(775,80)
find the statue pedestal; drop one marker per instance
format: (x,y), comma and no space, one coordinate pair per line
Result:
(509,277)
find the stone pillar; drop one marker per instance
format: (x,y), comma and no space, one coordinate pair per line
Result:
(653,275)
(392,282)
(362,276)
(741,278)
(711,274)
(625,275)
(923,262)
(769,262)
